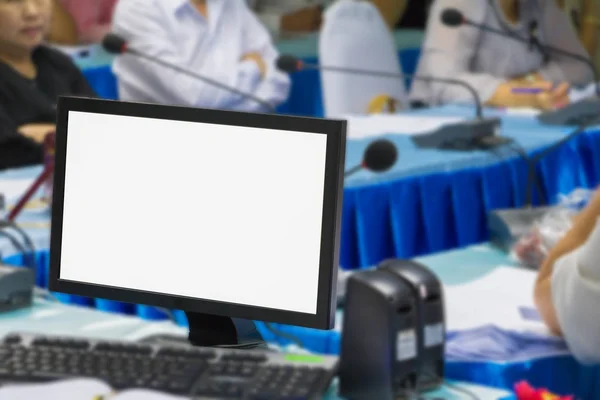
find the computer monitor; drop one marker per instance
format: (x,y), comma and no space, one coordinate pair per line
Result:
(216,212)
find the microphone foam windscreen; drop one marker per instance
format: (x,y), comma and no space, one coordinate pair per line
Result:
(287,64)
(380,155)
(113,43)
(452,17)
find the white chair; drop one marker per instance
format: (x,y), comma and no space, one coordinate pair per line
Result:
(354,35)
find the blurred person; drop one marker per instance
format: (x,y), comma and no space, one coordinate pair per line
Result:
(567,290)
(496,65)
(220,39)
(92,17)
(32,75)
(585,17)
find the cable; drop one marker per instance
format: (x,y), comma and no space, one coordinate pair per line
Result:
(533,178)
(26,238)
(242,346)
(44,294)
(16,244)
(284,335)
(531,170)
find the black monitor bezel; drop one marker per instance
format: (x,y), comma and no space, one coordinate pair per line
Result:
(332,205)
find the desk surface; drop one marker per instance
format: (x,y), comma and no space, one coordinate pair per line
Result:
(58,319)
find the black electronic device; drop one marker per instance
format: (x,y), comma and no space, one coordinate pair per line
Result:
(573,114)
(431,331)
(212,267)
(16,287)
(210,373)
(379,346)
(465,136)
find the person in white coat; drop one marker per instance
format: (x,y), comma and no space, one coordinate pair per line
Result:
(567,291)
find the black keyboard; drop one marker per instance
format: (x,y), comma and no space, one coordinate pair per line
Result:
(211,373)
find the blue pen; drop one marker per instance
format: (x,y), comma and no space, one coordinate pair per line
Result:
(526,90)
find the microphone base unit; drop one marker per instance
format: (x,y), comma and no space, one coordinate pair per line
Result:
(506,226)
(574,114)
(463,136)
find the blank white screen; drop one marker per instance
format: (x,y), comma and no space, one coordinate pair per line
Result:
(208,211)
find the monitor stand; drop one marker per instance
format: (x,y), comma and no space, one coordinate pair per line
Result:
(211,330)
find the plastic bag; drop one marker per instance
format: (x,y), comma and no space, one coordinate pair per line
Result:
(533,247)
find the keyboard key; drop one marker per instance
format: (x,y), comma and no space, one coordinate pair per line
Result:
(12,339)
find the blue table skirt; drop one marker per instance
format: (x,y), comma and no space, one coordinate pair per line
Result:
(434,211)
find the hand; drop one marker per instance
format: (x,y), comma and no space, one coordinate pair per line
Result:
(37,132)
(383,104)
(552,97)
(262,66)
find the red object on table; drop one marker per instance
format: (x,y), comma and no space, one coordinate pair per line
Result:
(45,177)
(524,391)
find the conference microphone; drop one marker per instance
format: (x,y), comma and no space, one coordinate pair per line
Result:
(379,156)
(465,135)
(115,44)
(573,114)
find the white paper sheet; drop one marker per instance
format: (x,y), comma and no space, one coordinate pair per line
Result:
(580,94)
(372,125)
(76,389)
(493,299)
(143,394)
(525,112)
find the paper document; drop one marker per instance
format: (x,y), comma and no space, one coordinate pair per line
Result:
(503,298)
(78,389)
(360,127)
(579,94)
(525,112)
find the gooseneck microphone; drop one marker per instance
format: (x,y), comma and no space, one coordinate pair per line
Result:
(115,44)
(573,114)
(466,135)
(379,156)
(290,64)
(452,17)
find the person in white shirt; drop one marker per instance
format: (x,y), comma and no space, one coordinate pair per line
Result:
(220,39)
(567,291)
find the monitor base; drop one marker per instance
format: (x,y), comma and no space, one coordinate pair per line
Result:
(211,330)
